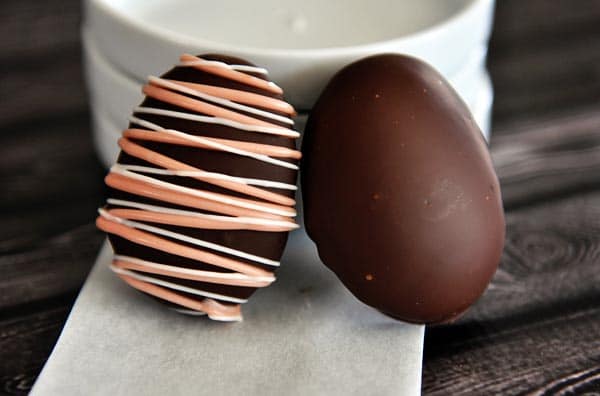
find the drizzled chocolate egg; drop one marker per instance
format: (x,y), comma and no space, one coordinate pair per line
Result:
(399,191)
(202,195)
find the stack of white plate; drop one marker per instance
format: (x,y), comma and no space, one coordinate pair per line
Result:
(301,43)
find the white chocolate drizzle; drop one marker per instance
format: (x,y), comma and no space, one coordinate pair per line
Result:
(218,120)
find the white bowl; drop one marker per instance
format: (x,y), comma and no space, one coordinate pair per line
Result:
(302,43)
(482,108)
(118,93)
(107,87)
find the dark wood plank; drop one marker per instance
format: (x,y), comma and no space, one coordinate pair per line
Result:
(555,355)
(49,162)
(38,89)
(537,83)
(559,155)
(26,340)
(40,62)
(539,321)
(541,22)
(544,57)
(52,184)
(51,268)
(31,30)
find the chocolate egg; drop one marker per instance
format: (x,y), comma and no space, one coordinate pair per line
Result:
(399,190)
(202,195)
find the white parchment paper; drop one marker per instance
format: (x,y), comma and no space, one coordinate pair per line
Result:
(304,335)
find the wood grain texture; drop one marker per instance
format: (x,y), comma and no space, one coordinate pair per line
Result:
(40,61)
(535,331)
(31,30)
(51,184)
(540,318)
(541,159)
(27,335)
(25,95)
(544,58)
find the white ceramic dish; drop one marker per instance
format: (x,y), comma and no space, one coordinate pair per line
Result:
(118,93)
(143,37)
(482,109)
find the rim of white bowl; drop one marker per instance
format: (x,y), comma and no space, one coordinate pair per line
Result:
(91,46)
(335,51)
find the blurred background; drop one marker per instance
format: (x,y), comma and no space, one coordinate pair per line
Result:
(535,329)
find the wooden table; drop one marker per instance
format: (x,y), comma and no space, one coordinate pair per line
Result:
(536,330)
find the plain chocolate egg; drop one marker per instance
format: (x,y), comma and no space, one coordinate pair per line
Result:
(400,194)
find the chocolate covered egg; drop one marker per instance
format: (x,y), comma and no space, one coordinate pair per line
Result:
(400,195)
(201,198)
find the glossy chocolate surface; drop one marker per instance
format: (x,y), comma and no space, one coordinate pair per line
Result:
(399,191)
